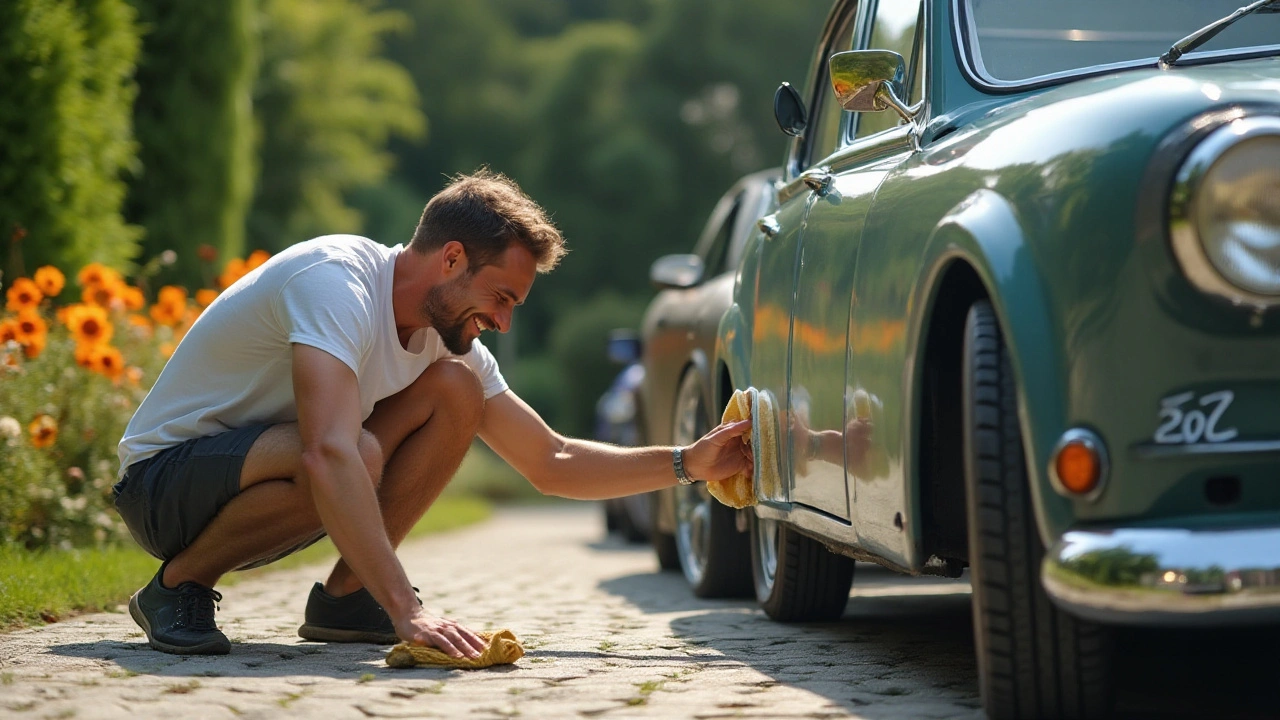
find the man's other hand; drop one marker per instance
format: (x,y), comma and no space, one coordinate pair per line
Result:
(721,453)
(441,633)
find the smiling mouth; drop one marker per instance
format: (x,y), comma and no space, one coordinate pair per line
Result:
(478,323)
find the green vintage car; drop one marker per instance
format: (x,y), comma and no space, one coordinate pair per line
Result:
(1016,311)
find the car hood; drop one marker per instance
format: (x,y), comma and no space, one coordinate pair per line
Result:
(1134,108)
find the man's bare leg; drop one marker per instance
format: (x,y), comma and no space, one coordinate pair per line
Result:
(429,426)
(434,420)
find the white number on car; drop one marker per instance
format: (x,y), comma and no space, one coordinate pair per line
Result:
(1182,426)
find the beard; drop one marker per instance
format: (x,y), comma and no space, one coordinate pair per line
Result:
(442,310)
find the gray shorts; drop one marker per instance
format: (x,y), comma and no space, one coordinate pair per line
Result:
(168,499)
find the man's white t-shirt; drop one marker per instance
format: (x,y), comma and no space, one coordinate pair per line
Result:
(234,367)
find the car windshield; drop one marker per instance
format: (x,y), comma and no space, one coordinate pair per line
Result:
(1012,41)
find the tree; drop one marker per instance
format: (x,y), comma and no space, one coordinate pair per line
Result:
(326,104)
(194,124)
(65,131)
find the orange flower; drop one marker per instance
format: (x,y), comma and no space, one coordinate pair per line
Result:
(171,306)
(44,431)
(234,270)
(50,280)
(23,295)
(89,324)
(84,356)
(105,295)
(33,347)
(106,359)
(204,296)
(132,296)
(97,274)
(8,331)
(256,258)
(166,349)
(28,326)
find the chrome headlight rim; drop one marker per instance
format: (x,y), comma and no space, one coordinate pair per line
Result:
(1188,246)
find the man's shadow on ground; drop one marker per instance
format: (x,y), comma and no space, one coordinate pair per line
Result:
(909,638)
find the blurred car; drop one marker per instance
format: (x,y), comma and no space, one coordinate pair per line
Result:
(1016,311)
(692,532)
(618,421)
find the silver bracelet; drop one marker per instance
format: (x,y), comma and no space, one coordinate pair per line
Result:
(677,461)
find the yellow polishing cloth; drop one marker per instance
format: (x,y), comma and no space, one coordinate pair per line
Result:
(502,649)
(738,491)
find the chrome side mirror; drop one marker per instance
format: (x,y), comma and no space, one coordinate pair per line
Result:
(789,110)
(869,81)
(676,271)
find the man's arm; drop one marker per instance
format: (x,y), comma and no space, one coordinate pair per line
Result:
(589,470)
(328,401)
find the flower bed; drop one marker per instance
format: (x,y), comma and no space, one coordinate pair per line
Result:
(71,376)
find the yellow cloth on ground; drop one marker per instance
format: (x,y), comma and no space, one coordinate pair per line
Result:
(739,491)
(502,648)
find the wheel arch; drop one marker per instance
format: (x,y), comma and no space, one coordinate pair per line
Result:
(980,249)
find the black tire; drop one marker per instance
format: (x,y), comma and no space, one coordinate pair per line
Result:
(715,557)
(664,544)
(1034,661)
(807,582)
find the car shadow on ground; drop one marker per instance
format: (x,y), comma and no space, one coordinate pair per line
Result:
(901,636)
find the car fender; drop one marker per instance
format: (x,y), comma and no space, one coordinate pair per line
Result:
(733,348)
(984,231)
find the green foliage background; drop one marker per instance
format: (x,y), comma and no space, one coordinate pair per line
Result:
(194,122)
(65,133)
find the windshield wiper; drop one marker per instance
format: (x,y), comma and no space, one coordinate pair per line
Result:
(1207,33)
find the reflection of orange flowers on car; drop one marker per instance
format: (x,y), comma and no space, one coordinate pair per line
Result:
(170,307)
(89,324)
(50,280)
(44,431)
(23,295)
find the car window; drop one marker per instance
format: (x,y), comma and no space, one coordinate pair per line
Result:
(895,28)
(826,117)
(715,259)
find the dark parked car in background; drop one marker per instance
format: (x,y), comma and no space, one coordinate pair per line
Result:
(1016,310)
(618,421)
(693,532)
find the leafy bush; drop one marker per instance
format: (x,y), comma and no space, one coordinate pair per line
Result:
(71,376)
(194,123)
(65,101)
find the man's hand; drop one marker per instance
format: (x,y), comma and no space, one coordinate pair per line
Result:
(721,453)
(441,633)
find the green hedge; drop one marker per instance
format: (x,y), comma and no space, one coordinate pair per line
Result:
(194,122)
(65,97)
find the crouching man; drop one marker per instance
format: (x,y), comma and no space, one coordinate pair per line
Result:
(334,390)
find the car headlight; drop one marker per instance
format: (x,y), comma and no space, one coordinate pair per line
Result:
(1225,212)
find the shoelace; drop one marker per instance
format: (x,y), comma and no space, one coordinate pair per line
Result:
(196,606)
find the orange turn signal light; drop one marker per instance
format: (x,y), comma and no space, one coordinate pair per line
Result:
(1079,467)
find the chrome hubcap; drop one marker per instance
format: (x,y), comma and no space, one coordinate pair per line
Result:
(693,502)
(766,538)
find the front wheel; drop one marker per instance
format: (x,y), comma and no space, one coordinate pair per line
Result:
(1034,661)
(796,578)
(713,554)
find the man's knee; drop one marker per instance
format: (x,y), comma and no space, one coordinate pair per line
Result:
(371,454)
(455,387)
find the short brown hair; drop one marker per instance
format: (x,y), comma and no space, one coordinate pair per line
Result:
(486,212)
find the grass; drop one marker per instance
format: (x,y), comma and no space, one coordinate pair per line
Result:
(49,585)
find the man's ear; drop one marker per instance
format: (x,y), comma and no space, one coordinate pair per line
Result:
(453,258)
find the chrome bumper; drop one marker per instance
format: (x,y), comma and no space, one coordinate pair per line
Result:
(1167,576)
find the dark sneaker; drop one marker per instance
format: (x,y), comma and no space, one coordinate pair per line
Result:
(179,621)
(356,617)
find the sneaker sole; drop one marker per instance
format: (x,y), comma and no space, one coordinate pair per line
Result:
(328,634)
(213,647)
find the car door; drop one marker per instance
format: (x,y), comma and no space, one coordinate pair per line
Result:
(877,426)
(775,292)
(826,319)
